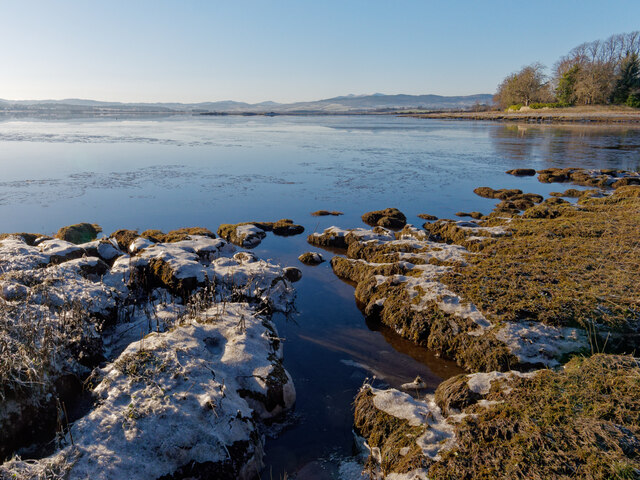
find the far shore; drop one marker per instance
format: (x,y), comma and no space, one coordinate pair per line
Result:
(571,115)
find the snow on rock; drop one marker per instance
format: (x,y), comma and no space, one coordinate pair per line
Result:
(438,433)
(15,254)
(60,250)
(104,249)
(138,244)
(341,238)
(249,236)
(213,360)
(401,405)
(184,397)
(481,231)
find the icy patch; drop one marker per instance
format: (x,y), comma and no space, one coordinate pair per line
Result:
(401,405)
(537,343)
(439,432)
(478,230)
(480,383)
(426,289)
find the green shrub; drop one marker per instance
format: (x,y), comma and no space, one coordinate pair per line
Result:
(633,100)
(514,108)
(536,106)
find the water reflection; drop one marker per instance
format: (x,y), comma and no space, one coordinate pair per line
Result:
(569,145)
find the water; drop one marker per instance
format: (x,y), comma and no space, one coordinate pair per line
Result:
(172,172)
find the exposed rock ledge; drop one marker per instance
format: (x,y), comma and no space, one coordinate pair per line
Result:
(194,364)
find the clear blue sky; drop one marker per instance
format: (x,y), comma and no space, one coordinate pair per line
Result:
(189,51)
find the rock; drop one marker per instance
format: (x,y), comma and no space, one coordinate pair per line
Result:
(502,194)
(311,258)
(79,233)
(247,235)
(138,244)
(156,236)
(475,215)
(426,216)
(522,172)
(28,238)
(285,227)
(292,274)
(387,218)
(124,238)
(323,213)
(104,249)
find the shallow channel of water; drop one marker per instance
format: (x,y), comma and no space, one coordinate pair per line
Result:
(172,172)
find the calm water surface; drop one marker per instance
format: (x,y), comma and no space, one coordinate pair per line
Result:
(190,171)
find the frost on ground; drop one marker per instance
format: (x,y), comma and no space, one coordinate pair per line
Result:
(193,361)
(398,280)
(578,422)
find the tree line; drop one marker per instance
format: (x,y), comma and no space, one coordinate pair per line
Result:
(593,73)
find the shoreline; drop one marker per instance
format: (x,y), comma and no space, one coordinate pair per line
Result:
(577,115)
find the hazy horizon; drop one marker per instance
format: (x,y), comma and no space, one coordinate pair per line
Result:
(286,51)
(308,100)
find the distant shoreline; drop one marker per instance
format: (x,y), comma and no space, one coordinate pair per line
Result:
(572,115)
(598,115)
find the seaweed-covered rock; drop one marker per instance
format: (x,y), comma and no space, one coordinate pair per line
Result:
(250,234)
(324,213)
(522,172)
(474,215)
(79,233)
(502,194)
(157,236)
(247,235)
(426,216)
(311,258)
(387,218)
(604,178)
(285,227)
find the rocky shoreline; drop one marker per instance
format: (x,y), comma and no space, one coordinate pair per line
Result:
(511,295)
(169,334)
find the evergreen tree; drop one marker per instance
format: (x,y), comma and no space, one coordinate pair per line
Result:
(566,89)
(628,80)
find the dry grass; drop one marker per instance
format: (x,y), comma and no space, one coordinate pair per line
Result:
(582,422)
(574,269)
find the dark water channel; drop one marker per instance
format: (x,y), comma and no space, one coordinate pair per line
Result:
(181,171)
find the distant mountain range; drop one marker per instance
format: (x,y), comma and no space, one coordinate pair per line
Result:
(344,104)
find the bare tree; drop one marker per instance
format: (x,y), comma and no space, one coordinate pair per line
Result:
(525,86)
(589,73)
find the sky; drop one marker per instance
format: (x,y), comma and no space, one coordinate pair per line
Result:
(285,51)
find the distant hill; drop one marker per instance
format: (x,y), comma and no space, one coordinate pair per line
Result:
(342,104)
